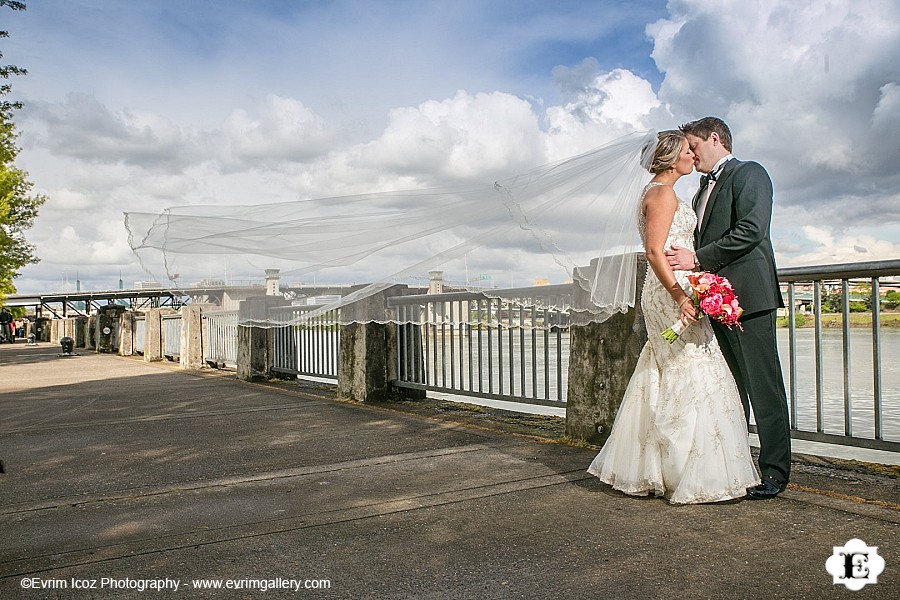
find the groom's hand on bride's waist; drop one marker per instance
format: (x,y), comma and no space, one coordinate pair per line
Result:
(681,259)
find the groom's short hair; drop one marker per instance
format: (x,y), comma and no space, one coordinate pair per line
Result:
(702,128)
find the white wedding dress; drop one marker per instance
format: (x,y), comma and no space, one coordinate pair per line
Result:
(680,430)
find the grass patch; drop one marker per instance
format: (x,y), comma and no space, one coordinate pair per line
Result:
(566,440)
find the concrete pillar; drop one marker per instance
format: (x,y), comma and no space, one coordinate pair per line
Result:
(362,370)
(90,340)
(254,360)
(602,357)
(69,327)
(54,331)
(368,359)
(153,349)
(191,356)
(126,333)
(80,331)
(256,343)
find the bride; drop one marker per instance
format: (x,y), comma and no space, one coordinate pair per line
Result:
(680,431)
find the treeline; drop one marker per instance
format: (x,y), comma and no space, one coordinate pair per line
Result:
(833,302)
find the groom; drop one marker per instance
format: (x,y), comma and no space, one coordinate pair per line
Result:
(734,211)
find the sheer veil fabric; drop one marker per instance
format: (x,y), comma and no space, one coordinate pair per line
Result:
(574,220)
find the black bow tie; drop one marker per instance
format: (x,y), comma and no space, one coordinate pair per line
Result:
(704,181)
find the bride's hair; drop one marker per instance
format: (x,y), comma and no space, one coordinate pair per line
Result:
(669,145)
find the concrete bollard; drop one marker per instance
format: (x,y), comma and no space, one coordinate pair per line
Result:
(602,358)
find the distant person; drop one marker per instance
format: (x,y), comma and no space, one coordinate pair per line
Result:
(680,430)
(734,207)
(6,323)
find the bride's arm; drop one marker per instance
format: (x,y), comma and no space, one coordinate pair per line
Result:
(659,208)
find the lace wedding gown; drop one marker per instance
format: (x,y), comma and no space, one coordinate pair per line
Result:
(680,430)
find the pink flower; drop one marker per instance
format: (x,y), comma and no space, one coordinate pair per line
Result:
(711,304)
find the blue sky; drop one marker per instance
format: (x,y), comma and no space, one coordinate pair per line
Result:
(141,105)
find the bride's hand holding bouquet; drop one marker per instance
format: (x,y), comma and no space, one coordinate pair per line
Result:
(715,298)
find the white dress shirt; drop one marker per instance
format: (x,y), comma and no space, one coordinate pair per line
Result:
(714,174)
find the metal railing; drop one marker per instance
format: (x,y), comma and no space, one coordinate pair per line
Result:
(849,415)
(474,345)
(140,333)
(171,325)
(503,346)
(310,347)
(220,331)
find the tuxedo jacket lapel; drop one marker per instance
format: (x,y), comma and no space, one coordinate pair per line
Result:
(723,180)
(696,199)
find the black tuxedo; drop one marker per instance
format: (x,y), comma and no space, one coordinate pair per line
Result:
(734,242)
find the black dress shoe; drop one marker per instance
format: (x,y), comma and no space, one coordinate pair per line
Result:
(769,488)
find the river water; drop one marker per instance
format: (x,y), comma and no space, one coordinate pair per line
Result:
(861,380)
(861,377)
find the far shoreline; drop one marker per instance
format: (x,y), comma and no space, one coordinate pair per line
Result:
(836,320)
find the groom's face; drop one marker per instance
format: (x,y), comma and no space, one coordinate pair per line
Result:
(706,152)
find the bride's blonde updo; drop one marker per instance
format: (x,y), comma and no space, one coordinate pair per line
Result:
(669,145)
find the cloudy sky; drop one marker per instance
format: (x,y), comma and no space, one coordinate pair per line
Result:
(146,104)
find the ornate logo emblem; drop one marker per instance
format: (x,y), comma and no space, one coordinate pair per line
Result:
(854,564)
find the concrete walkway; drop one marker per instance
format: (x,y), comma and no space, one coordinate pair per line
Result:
(123,473)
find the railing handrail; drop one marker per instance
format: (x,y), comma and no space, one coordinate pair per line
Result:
(219,313)
(296,308)
(874,268)
(526,292)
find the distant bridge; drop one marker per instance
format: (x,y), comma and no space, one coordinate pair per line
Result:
(82,303)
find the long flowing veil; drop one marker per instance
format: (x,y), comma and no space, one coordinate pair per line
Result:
(562,235)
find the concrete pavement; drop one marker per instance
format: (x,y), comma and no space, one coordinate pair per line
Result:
(122,473)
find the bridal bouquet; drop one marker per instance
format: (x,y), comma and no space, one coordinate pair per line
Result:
(715,298)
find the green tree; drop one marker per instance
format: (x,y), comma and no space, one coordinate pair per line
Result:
(832,302)
(891,299)
(18,206)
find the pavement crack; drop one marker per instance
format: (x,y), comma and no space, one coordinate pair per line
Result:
(180,487)
(218,535)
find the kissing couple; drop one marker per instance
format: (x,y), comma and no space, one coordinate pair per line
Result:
(681,431)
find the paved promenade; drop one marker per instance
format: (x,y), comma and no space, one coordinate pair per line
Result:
(122,473)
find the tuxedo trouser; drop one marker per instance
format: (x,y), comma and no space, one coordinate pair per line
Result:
(752,356)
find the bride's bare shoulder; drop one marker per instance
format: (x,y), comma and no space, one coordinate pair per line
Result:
(660,197)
